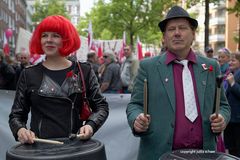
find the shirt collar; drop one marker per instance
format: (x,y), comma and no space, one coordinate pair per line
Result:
(171,57)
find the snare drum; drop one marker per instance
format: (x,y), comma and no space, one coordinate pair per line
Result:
(71,150)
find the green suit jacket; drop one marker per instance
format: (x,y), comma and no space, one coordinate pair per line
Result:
(161,104)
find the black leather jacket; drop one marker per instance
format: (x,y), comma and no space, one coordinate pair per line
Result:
(55,109)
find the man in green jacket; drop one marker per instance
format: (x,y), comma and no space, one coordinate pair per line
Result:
(169,125)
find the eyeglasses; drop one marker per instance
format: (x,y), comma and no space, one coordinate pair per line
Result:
(105,56)
(126,49)
(23,58)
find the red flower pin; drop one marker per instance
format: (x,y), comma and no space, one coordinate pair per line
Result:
(210,68)
(69,74)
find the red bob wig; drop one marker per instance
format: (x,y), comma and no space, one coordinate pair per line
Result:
(61,25)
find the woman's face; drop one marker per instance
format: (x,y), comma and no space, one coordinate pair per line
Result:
(234,64)
(223,58)
(51,43)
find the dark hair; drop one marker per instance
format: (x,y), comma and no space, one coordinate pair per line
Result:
(208,49)
(91,55)
(2,57)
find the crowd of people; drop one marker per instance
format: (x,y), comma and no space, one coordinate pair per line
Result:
(176,72)
(10,69)
(113,76)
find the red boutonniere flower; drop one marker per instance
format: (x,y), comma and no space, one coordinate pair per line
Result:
(69,74)
(210,68)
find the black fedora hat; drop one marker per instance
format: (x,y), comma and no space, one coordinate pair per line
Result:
(177,12)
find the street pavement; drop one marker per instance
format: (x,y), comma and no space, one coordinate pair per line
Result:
(6,138)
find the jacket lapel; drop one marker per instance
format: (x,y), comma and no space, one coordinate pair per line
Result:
(201,81)
(166,76)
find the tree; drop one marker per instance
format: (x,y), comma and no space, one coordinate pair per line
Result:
(98,15)
(47,8)
(136,17)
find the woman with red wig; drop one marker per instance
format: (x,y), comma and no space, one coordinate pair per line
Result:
(53,89)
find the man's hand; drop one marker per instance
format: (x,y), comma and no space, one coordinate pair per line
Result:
(218,123)
(86,132)
(141,123)
(25,136)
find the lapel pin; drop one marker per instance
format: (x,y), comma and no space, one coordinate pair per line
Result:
(204,66)
(166,79)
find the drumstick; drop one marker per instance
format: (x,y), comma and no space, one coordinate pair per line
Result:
(217,105)
(47,141)
(73,136)
(145,102)
(219,80)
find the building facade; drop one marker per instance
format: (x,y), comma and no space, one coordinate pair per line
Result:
(72,7)
(13,16)
(223,26)
(16,14)
(232,28)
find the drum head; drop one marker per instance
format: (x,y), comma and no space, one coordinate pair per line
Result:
(70,150)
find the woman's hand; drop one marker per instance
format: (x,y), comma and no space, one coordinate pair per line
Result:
(230,79)
(86,132)
(25,136)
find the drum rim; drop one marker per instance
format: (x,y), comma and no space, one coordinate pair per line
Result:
(10,152)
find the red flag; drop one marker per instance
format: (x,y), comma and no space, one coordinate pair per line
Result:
(90,36)
(100,52)
(6,48)
(121,53)
(93,46)
(139,48)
